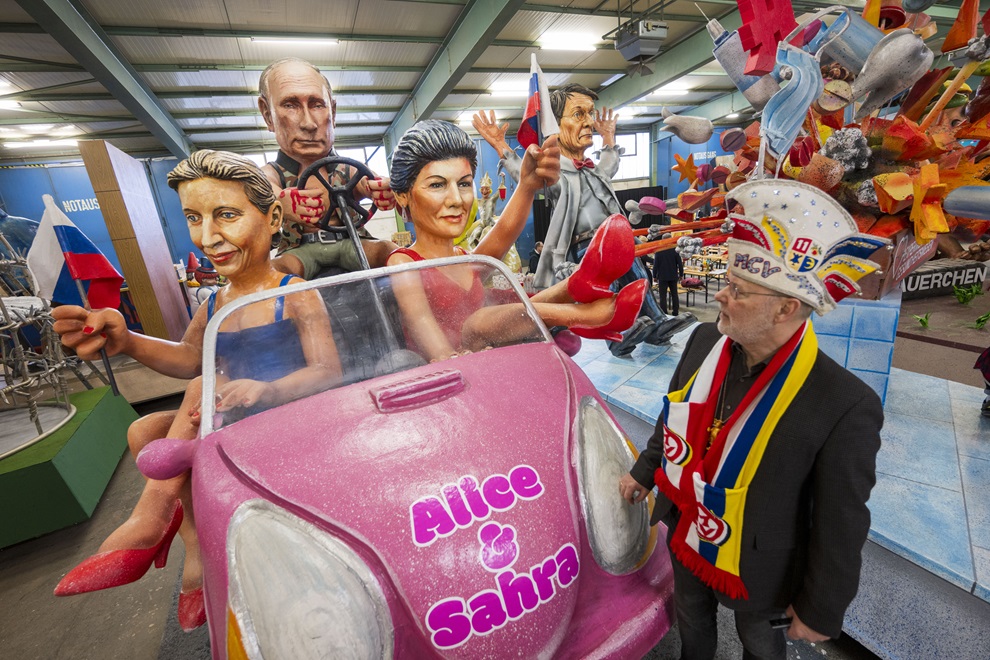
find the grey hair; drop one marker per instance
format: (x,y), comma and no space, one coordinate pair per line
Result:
(225,166)
(263,90)
(427,142)
(559,96)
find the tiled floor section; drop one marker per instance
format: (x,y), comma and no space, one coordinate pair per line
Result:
(931,504)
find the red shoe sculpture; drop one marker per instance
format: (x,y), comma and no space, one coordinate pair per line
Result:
(117,567)
(610,255)
(192,609)
(627,305)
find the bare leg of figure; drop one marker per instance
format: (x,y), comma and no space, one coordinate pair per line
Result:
(288,264)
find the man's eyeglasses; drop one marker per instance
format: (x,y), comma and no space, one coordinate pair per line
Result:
(736,294)
(580,115)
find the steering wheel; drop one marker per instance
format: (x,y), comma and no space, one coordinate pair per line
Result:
(339,195)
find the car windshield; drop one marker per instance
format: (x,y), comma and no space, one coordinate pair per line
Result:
(269,348)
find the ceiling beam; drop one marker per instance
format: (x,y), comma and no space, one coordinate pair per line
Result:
(510,109)
(612,13)
(76,31)
(554,9)
(27,97)
(223,33)
(174,67)
(473,32)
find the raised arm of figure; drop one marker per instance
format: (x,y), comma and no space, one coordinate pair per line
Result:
(540,167)
(88,331)
(487,126)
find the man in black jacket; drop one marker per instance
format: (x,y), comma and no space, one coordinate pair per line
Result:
(534,257)
(668,269)
(765,452)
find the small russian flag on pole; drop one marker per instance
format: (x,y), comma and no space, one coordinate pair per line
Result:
(538,121)
(61,255)
(61,258)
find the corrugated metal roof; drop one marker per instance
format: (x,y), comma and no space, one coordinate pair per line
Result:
(173,13)
(383,16)
(198,57)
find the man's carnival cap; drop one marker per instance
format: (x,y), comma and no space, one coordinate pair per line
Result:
(486,181)
(796,240)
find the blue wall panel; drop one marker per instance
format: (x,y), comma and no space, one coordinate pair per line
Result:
(21,190)
(703,153)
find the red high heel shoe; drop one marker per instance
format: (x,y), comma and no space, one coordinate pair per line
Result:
(116,567)
(627,306)
(192,609)
(609,256)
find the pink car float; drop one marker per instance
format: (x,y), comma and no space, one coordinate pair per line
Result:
(467,508)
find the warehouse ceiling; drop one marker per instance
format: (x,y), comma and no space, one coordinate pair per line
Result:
(168,77)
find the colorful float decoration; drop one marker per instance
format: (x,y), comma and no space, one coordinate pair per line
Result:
(861,114)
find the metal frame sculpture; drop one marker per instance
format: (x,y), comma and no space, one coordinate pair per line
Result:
(33,376)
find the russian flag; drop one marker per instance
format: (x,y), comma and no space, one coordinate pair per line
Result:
(61,254)
(538,120)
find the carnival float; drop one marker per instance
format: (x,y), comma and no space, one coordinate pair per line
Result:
(858,106)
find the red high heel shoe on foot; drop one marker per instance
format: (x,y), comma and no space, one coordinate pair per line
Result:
(117,567)
(609,256)
(192,609)
(627,306)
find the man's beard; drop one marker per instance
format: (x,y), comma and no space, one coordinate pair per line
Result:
(750,330)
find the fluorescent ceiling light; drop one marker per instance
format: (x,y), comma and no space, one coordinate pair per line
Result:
(732,116)
(36,128)
(328,41)
(9,105)
(629,111)
(465,118)
(612,79)
(566,41)
(42,144)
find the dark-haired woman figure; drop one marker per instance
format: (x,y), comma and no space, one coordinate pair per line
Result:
(432,176)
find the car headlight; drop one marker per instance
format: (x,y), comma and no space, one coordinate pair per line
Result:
(297,592)
(619,534)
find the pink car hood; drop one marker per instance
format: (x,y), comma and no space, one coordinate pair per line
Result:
(454,480)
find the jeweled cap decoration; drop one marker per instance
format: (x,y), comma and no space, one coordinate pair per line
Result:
(796,240)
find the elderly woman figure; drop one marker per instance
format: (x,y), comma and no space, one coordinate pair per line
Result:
(232,215)
(432,176)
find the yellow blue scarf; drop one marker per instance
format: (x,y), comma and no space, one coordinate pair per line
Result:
(709,486)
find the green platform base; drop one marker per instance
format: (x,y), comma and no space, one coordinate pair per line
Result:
(59,481)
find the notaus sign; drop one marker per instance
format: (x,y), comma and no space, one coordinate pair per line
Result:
(86,204)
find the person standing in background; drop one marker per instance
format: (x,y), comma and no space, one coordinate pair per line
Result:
(668,269)
(534,257)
